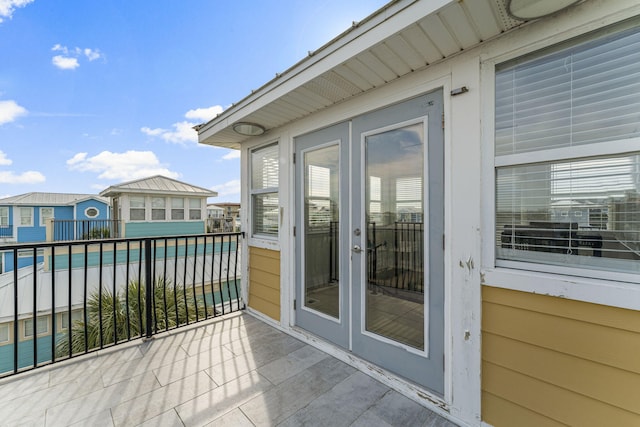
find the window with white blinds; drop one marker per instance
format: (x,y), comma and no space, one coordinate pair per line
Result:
(137,208)
(577,209)
(409,199)
(264,190)
(4,216)
(583,94)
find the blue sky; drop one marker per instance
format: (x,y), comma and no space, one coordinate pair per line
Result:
(97,93)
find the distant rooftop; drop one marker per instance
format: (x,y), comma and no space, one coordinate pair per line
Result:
(49,199)
(157,184)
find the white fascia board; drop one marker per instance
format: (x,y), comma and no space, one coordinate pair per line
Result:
(382,26)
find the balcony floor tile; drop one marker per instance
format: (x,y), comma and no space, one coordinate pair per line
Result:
(230,371)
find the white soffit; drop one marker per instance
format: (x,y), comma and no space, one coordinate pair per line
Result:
(402,37)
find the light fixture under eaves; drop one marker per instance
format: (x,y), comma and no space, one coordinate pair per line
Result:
(525,10)
(248,129)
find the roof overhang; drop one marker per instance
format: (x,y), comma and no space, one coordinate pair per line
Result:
(402,37)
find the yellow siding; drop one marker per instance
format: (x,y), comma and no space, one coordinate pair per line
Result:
(264,281)
(549,361)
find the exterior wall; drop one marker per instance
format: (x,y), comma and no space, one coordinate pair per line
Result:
(103,210)
(549,361)
(264,281)
(62,212)
(33,233)
(8,235)
(545,360)
(163,228)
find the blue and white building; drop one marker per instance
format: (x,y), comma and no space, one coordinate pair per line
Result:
(24,218)
(159,206)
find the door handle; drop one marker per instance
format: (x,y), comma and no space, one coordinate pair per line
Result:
(357,249)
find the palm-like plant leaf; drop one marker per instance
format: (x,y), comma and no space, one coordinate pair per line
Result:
(122,316)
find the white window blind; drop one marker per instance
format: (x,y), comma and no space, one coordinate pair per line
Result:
(45,214)
(573,210)
(158,211)
(318,195)
(409,199)
(375,199)
(26,216)
(177,208)
(265,213)
(4,333)
(264,190)
(137,208)
(264,167)
(578,213)
(4,216)
(195,209)
(580,95)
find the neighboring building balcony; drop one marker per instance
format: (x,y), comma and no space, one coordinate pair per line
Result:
(6,231)
(62,230)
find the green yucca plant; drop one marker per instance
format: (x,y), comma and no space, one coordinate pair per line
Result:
(181,307)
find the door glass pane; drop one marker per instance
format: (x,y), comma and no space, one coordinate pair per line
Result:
(394,192)
(321,225)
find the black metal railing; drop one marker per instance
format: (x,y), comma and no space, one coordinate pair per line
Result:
(85,229)
(396,256)
(62,300)
(6,231)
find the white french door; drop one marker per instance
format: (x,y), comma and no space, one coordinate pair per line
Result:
(369,232)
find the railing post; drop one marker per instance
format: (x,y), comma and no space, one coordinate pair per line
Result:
(148,287)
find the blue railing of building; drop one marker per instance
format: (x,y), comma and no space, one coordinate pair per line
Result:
(85,229)
(6,231)
(90,295)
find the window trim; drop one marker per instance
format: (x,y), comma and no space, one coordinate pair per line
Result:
(261,191)
(4,209)
(36,333)
(190,209)
(20,208)
(9,327)
(94,208)
(42,218)
(144,208)
(560,282)
(158,209)
(172,208)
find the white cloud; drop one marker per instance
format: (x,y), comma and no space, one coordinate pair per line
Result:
(4,160)
(204,114)
(65,62)
(153,132)
(229,188)
(70,58)
(121,166)
(7,7)
(233,154)
(29,177)
(182,132)
(92,54)
(10,110)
